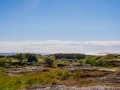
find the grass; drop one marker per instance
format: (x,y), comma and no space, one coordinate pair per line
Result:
(14,60)
(47,77)
(52,76)
(41,60)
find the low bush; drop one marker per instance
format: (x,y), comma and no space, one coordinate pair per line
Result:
(49,61)
(5,62)
(88,74)
(94,61)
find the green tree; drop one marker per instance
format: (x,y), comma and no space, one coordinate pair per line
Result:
(20,57)
(32,58)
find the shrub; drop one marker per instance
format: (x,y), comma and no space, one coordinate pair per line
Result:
(5,62)
(94,61)
(33,63)
(49,61)
(32,57)
(100,63)
(83,74)
(20,57)
(25,65)
(17,65)
(65,61)
(60,65)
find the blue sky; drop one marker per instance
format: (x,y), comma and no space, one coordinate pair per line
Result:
(72,20)
(53,26)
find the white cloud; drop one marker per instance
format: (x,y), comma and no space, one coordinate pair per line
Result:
(56,46)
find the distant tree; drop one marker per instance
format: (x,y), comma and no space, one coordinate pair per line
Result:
(49,61)
(2,56)
(20,57)
(70,56)
(27,55)
(74,57)
(32,58)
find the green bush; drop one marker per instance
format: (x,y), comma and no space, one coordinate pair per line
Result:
(94,61)
(17,65)
(5,62)
(25,65)
(33,63)
(20,57)
(100,63)
(49,61)
(32,58)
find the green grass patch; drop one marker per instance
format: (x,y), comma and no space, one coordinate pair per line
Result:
(16,82)
(41,60)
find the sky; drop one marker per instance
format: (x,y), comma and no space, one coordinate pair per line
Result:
(85,26)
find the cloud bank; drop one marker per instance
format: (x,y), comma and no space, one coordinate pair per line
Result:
(56,46)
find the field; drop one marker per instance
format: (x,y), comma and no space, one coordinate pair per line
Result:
(58,74)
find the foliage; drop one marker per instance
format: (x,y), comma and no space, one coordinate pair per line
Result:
(49,61)
(83,74)
(65,61)
(60,65)
(94,61)
(110,56)
(32,58)
(49,77)
(101,63)
(20,57)
(69,56)
(5,62)
(2,56)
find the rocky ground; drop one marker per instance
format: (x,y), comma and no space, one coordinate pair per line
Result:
(63,87)
(23,70)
